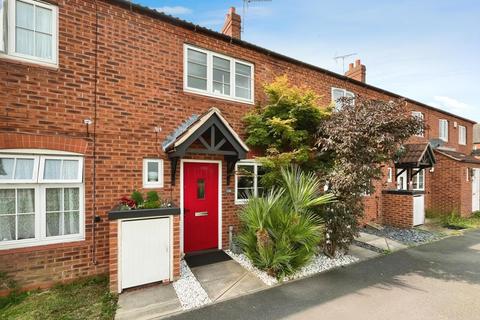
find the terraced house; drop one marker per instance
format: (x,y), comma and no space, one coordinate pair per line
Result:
(99,98)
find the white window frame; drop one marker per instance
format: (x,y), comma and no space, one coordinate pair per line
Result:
(255,165)
(42,168)
(2,26)
(345,93)
(209,91)
(421,116)
(9,42)
(21,181)
(389,174)
(462,135)
(40,186)
(149,184)
(405,183)
(443,132)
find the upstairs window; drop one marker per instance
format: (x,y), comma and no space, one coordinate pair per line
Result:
(419,115)
(32,31)
(217,75)
(443,129)
(340,93)
(462,135)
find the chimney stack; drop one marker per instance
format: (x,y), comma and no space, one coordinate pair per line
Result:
(357,71)
(233,24)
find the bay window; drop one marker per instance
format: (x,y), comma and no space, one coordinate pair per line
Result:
(217,75)
(41,199)
(32,31)
(248,184)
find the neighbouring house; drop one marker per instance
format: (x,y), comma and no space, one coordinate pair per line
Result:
(99,98)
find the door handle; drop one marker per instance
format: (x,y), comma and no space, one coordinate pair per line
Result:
(201,213)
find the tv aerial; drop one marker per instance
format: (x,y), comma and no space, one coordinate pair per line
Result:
(343,57)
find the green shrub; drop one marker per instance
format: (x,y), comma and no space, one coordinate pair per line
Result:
(281,231)
(137,196)
(152,196)
(455,220)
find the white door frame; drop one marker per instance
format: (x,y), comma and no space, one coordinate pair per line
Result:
(219,162)
(475,189)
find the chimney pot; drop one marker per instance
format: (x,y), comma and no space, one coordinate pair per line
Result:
(357,62)
(350,66)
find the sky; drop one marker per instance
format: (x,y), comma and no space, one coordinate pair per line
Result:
(426,50)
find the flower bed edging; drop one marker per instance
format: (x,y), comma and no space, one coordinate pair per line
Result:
(318,264)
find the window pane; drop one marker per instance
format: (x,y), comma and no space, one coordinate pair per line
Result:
(220,63)
(7,201)
(71,199)
(197,83)
(197,70)
(221,88)
(54,199)
(70,169)
(26,226)
(152,171)
(196,56)
(200,189)
(25,200)
(349,95)
(53,224)
(24,15)
(43,20)
(43,46)
(52,169)
(7,228)
(244,193)
(221,76)
(6,168)
(242,81)
(24,169)
(24,41)
(243,69)
(71,223)
(242,93)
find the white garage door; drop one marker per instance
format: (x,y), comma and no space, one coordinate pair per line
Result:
(418,209)
(145,251)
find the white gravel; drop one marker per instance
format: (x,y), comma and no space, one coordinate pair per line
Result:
(188,289)
(318,264)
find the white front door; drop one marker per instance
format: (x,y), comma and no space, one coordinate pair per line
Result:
(418,209)
(475,190)
(145,251)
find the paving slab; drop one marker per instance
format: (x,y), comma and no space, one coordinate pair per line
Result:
(381,242)
(362,253)
(148,303)
(227,279)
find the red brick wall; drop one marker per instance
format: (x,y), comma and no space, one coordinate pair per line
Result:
(140,86)
(398,210)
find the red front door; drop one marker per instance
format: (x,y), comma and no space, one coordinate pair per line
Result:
(200,206)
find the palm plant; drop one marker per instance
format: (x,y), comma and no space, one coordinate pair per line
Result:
(281,231)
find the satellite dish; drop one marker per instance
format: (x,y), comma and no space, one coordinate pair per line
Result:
(436,143)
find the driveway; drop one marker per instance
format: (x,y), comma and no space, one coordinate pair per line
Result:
(437,281)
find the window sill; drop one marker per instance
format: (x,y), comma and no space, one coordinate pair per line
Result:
(219,97)
(28,62)
(36,244)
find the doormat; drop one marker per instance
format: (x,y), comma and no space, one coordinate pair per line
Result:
(202,259)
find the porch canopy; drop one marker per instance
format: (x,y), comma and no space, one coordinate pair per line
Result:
(413,158)
(208,134)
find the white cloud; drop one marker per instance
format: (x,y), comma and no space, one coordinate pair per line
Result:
(176,10)
(451,105)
